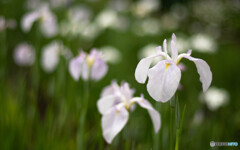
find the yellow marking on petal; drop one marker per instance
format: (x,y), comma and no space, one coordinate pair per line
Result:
(118,111)
(90,60)
(179,60)
(167,65)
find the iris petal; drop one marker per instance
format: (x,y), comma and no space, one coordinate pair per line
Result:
(106,103)
(142,69)
(174,49)
(155,116)
(75,67)
(99,69)
(203,70)
(163,81)
(28,20)
(113,122)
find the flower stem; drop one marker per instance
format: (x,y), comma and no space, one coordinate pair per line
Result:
(179,130)
(84,107)
(177,139)
(172,107)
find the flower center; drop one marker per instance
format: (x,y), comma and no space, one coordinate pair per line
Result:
(90,60)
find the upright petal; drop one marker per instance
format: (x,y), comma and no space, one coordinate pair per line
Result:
(159,49)
(126,91)
(203,70)
(163,81)
(110,90)
(165,46)
(174,50)
(155,116)
(28,20)
(99,69)
(113,122)
(142,69)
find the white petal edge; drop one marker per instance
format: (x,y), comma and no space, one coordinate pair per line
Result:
(204,71)
(142,69)
(113,122)
(28,20)
(155,116)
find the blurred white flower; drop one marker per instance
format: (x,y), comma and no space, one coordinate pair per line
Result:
(179,11)
(143,8)
(114,105)
(149,50)
(80,14)
(204,11)
(198,117)
(111,19)
(149,26)
(79,23)
(203,43)
(24,55)
(111,54)
(50,57)
(90,31)
(51,54)
(7,23)
(169,22)
(121,6)
(88,66)
(48,25)
(107,18)
(58,3)
(215,97)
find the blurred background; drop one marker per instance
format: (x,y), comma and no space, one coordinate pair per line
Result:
(38,96)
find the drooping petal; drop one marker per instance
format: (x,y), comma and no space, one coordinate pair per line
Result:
(113,122)
(163,81)
(106,103)
(76,66)
(155,116)
(142,69)
(28,20)
(99,69)
(174,49)
(203,70)
(49,25)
